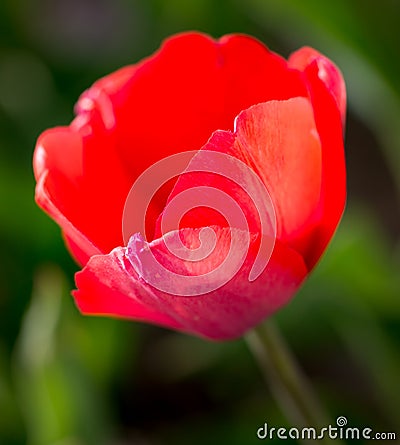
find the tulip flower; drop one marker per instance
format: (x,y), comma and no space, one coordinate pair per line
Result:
(266,164)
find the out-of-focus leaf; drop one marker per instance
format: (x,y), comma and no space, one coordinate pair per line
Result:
(55,392)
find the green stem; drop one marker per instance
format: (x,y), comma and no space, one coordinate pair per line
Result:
(288,384)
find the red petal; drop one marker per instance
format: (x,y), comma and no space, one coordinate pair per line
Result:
(110,285)
(47,154)
(328,97)
(105,288)
(279,141)
(327,71)
(82,244)
(56,192)
(191,87)
(82,184)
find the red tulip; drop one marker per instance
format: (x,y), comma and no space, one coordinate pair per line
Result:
(279,119)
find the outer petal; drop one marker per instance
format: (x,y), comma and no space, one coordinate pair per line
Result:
(56,192)
(81,246)
(328,97)
(278,140)
(109,285)
(80,193)
(327,71)
(191,87)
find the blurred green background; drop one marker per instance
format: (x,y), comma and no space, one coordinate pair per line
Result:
(72,380)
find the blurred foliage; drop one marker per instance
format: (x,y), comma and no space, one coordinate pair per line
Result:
(71,380)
